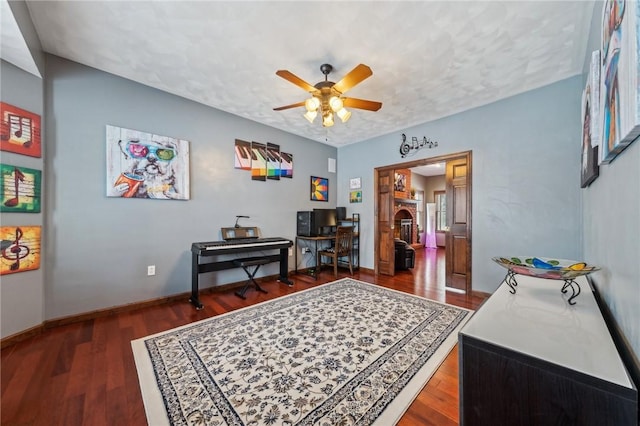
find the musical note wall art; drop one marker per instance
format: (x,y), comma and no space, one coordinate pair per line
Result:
(19,248)
(19,189)
(144,165)
(19,131)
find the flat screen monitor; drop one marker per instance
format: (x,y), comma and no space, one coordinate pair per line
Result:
(325,221)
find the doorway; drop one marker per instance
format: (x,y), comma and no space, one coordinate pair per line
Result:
(458,190)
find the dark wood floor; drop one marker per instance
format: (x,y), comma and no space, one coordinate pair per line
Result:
(84,373)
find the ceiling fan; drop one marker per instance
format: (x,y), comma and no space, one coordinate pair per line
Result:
(326,96)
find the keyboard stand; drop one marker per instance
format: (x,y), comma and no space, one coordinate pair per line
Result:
(246,263)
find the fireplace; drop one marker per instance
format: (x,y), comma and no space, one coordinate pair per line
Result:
(404,221)
(406,230)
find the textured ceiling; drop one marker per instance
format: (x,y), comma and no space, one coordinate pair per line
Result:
(429,59)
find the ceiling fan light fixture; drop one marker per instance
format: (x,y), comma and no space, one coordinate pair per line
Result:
(327,120)
(310,116)
(335,103)
(344,115)
(312,104)
(326,96)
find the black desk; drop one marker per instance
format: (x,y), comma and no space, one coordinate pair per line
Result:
(216,248)
(315,241)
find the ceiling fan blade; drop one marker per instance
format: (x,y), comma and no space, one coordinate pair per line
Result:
(299,104)
(296,80)
(352,78)
(362,104)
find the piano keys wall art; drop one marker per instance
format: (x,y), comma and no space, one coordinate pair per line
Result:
(19,249)
(286,165)
(273,161)
(19,131)
(145,165)
(20,189)
(265,161)
(243,155)
(258,161)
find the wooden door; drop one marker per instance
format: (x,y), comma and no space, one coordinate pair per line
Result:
(385,263)
(458,241)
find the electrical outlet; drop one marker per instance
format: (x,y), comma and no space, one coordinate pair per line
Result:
(151,270)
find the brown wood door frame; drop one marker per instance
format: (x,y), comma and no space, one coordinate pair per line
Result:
(389,229)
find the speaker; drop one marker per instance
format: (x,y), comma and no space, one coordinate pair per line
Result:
(306,224)
(341,213)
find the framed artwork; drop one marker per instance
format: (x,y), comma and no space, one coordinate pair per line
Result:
(144,165)
(20,248)
(400,182)
(20,189)
(355,183)
(590,169)
(243,155)
(355,196)
(258,161)
(619,80)
(273,161)
(19,131)
(286,165)
(319,189)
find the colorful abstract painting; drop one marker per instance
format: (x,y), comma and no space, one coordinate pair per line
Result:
(319,189)
(619,77)
(20,189)
(19,248)
(144,165)
(19,131)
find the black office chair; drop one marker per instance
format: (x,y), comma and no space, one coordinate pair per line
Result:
(341,249)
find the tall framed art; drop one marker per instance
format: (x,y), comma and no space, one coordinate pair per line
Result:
(619,89)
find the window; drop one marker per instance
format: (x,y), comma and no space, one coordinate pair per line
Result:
(440,198)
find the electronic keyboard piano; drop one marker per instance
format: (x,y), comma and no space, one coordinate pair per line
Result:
(235,246)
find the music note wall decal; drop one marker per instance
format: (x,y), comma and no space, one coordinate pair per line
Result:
(19,248)
(19,189)
(19,131)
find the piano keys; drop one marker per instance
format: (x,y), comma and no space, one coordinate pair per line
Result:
(202,250)
(243,155)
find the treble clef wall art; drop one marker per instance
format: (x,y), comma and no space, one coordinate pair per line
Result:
(19,248)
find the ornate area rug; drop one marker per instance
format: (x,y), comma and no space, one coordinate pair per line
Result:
(342,353)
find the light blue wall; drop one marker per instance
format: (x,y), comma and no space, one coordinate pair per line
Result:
(611,216)
(21,294)
(526,181)
(99,247)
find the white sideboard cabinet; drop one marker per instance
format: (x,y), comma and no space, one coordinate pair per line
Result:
(531,358)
